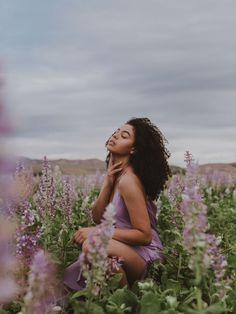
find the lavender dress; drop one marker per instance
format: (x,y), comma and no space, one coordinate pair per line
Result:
(73,275)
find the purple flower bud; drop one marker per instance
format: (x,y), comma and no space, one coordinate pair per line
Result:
(67,199)
(46,196)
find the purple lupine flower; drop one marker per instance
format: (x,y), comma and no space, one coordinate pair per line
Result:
(96,255)
(175,186)
(194,213)
(57,174)
(98,178)
(88,182)
(218,180)
(46,196)
(84,185)
(41,291)
(67,199)
(88,211)
(89,215)
(218,263)
(9,288)
(173,191)
(195,238)
(26,236)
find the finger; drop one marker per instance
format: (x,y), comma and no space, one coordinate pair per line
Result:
(77,235)
(116,170)
(109,163)
(111,159)
(116,165)
(79,239)
(73,238)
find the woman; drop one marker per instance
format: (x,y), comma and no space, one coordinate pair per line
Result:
(137,170)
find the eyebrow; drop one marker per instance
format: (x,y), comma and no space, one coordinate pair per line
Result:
(124,131)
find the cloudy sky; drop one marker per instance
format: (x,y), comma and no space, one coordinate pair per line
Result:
(77,70)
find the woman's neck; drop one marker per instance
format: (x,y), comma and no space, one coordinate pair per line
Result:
(123,159)
(125,165)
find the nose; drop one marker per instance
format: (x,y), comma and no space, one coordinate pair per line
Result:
(115,135)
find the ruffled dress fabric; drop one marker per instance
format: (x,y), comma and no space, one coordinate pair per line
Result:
(73,277)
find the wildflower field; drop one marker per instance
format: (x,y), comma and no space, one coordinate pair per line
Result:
(196,224)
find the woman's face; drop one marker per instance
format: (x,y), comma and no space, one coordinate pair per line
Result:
(122,140)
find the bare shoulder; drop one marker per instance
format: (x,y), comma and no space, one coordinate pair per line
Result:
(129,183)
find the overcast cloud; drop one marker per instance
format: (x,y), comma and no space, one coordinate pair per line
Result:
(77,70)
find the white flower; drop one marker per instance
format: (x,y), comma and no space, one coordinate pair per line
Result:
(56,309)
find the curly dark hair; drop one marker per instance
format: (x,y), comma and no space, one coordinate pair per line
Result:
(149,160)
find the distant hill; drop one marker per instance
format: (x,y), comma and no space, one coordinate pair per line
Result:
(90,166)
(229,168)
(68,167)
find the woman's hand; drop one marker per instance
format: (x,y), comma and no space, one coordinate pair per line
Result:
(112,170)
(82,234)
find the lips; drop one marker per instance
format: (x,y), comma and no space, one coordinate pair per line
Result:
(111,142)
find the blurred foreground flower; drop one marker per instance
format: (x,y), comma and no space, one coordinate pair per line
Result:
(94,260)
(8,264)
(22,184)
(41,292)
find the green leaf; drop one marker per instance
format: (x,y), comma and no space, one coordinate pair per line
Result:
(150,304)
(85,308)
(83,292)
(124,296)
(114,281)
(214,309)
(173,285)
(172,301)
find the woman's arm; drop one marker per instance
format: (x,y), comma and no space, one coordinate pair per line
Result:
(133,195)
(105,193)
(131,236)
(102,201)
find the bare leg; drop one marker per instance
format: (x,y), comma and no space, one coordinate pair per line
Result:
(124,280)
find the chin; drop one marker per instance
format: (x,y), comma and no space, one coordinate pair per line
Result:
(110,150)
(109,147)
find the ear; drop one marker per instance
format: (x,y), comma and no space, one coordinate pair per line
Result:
(132,151)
